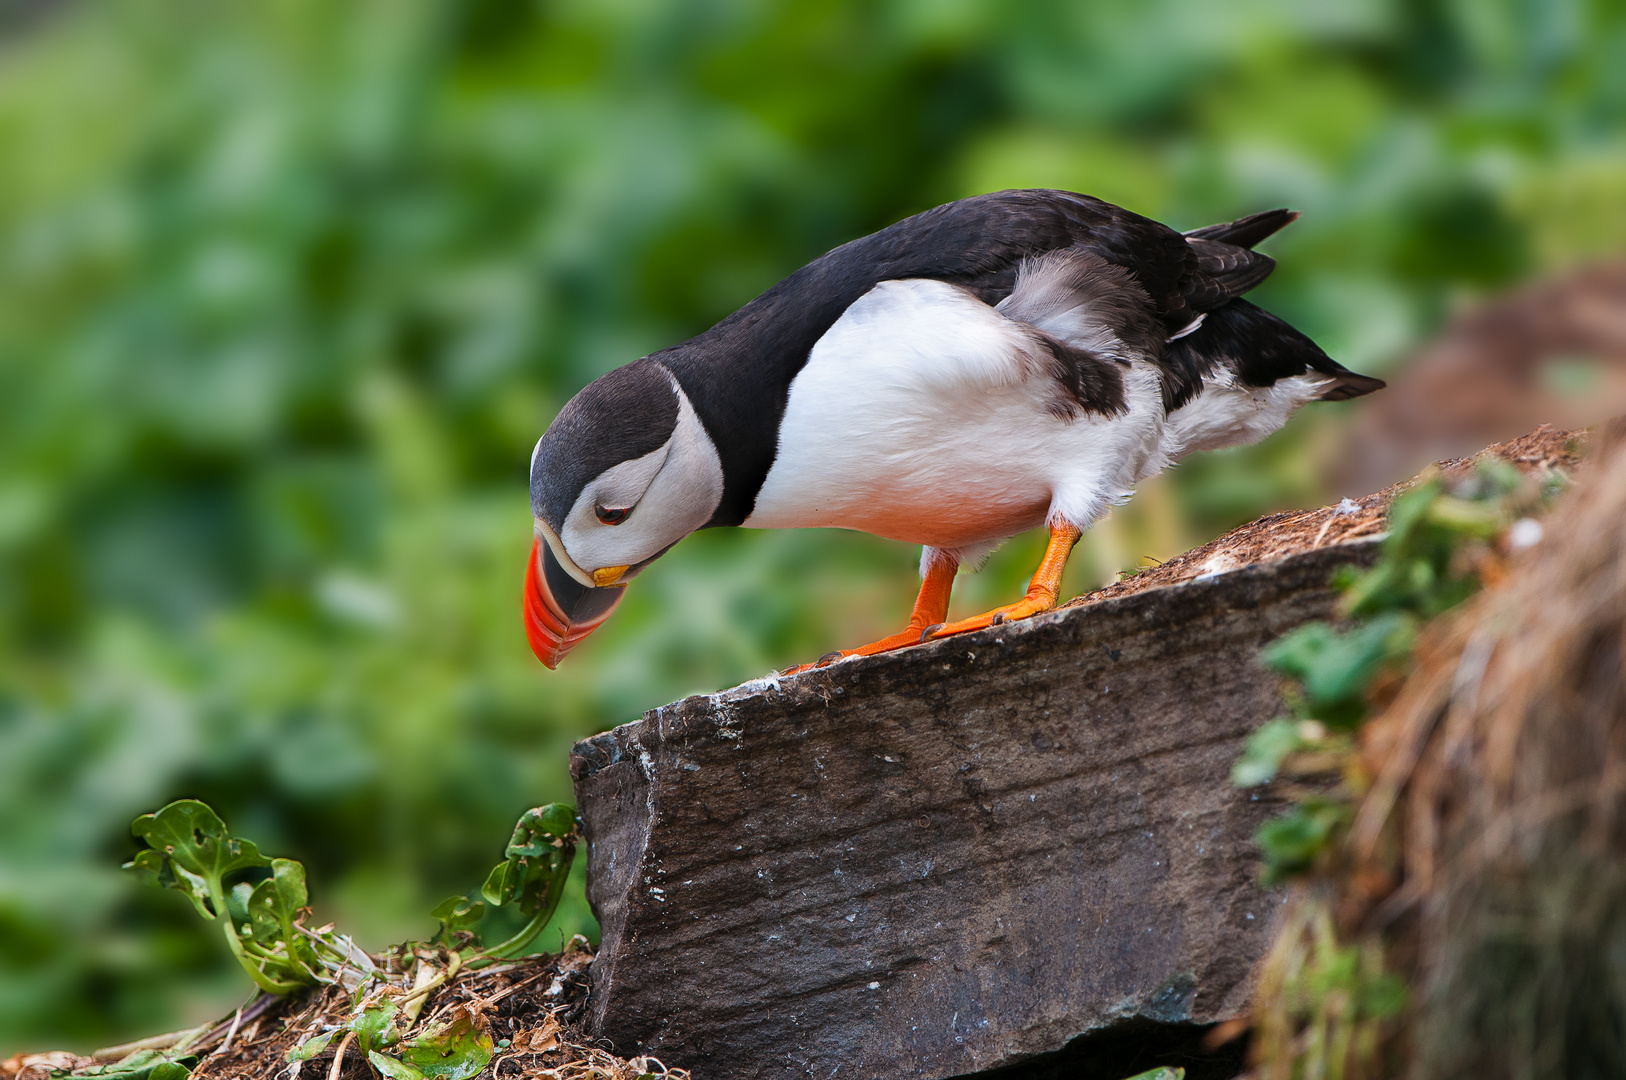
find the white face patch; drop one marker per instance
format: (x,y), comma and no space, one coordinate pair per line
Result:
(621,486)
(671,491)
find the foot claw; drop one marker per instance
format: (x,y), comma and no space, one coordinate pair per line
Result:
(999,617)
(926,634)
(829,658)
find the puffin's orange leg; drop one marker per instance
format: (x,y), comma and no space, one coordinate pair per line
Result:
(931,608)
(1042,591)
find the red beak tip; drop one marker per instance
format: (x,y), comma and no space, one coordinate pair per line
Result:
(550,631)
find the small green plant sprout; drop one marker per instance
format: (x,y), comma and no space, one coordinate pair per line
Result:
(1164,1073)
(458,916)
(533,875)
(262,904)
(190,850)
(1148,562)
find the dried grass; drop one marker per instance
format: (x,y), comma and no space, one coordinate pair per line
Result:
(1515,823)
(1487,861)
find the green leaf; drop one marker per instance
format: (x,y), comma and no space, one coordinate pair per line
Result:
(539,857)
(374,1023)
(1263,753)
(1418,570)
(276,902)
(147,1065)
(311,1047)
(1336,684)
(1384,996)
(1164,1073)
(453,1049)
(393,1068)
(458,913)
(191,852)
(272,910)
(495,888)
(1291,844)
(1333,668)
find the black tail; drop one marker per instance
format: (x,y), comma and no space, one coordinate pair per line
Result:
(1260,348)
(1248,231)
(1227,265)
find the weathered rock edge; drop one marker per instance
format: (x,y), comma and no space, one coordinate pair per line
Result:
(952,858)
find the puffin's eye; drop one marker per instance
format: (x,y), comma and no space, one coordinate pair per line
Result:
(612,517)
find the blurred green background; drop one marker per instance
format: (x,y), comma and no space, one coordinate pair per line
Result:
(288,290)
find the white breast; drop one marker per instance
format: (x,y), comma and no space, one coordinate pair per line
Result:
(924,415)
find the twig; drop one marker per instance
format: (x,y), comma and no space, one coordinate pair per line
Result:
(441,1010)
(499,995)
(226,1044)
(197,1037)
(338,1055)
(151,1042)
(1325,525)
(252,1011)
(349,953)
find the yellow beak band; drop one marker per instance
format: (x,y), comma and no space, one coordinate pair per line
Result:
(609,575)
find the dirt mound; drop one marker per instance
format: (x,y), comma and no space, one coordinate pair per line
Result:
(528,1007)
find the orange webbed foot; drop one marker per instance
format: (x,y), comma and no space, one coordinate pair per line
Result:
(1041,594)
(1024,608)
(931,608)
(914,635)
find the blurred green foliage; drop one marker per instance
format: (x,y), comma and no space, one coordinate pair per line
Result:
(289,289)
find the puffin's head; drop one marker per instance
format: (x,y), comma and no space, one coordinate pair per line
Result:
(625,471)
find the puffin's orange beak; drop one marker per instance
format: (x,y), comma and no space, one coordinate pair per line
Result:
(559,610)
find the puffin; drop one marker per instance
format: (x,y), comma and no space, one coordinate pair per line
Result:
(998,363)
